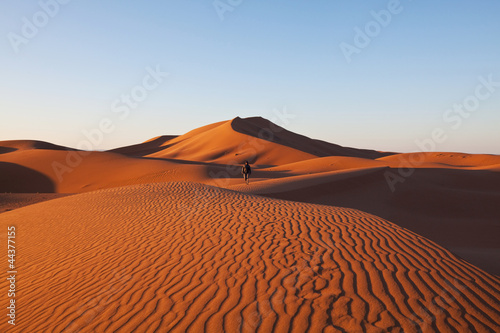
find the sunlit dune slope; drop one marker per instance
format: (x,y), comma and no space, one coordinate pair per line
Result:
(181,257)
(325,164)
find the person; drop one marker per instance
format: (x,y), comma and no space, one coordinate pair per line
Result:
(246,171)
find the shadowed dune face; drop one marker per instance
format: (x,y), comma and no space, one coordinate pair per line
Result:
(264,129)
(179,257)
(19,179)
(5,150)
(146,148)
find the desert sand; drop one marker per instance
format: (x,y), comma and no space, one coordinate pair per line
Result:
(165,236)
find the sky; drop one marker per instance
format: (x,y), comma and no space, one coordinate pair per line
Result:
(387,75)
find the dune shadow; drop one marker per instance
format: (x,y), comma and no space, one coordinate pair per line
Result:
(15,178)
(5,150)
(145,148)
(263,129)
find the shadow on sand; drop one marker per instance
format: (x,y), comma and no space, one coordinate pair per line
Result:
(15,178)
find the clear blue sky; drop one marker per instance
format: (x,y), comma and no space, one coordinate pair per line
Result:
(264,55)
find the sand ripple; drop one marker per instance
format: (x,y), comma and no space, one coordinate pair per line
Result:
(183,257)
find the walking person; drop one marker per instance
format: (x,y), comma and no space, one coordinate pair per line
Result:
(246,170)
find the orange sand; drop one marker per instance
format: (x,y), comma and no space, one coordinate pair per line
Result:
(185,257)
(143,244)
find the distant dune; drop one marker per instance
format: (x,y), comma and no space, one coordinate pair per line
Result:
(13,145)
(165,234)
(443,160)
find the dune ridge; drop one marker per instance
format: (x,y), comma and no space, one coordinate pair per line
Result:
(184,257)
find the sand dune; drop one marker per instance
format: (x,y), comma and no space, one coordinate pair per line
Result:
(254,139)
(181,257)
(326,164)
(222,144)
(447,196)
(165,255)
(199,155)
(13,145)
